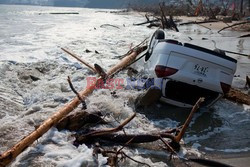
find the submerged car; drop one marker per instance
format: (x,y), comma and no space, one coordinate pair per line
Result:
(188,72)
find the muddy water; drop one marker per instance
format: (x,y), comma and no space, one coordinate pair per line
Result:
(33,86)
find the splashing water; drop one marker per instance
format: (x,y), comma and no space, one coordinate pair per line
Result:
(33,86)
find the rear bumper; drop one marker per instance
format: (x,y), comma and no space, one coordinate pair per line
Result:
(185,105)
(185,95)
(179,93)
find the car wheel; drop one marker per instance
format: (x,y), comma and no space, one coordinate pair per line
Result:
(158,34)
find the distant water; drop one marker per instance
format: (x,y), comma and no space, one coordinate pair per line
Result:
(30,42)
(30,33)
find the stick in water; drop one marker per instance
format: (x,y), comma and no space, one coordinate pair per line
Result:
(79,59)
(183,129)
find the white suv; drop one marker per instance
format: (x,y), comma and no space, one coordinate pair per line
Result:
(187,71)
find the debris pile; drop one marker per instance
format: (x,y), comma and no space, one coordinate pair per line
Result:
(156,15)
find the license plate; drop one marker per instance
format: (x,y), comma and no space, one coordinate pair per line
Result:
(200,70)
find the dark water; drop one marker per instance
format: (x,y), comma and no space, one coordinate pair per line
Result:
(224,128)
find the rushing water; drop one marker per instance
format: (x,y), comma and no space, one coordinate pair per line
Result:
(30,42)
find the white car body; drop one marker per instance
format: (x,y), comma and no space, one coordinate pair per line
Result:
(187,71)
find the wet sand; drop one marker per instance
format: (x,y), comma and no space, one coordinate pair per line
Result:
(237,160)
(214,25)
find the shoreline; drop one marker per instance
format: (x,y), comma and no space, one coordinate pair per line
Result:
(32,91)
(216,25)
(233,159)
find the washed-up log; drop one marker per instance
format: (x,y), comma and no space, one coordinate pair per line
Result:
(154,25)
(110,135)
(77,120)
(199,22)
(124,138)
(237,96)
(13,152)
(89,136)
(146,22)
(84,105)
(236,24)
(244,36)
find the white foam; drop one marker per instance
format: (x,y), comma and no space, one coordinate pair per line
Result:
(31,37)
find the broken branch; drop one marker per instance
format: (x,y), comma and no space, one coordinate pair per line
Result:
(77,120)
(183,129)
(135,160)
(97,133)
(236,24)
(199,22)
(146,22)
(79,59)
(237,96)
(84,105)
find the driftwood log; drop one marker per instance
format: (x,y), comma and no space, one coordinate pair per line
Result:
(77,120)
(237,96)
(175,135)
(124,138)
(243,36)
(12,153)
(146,22)
(89,136)
(236,24)
(198,22)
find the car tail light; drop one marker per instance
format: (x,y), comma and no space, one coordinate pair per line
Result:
(163,71)
(225,87)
